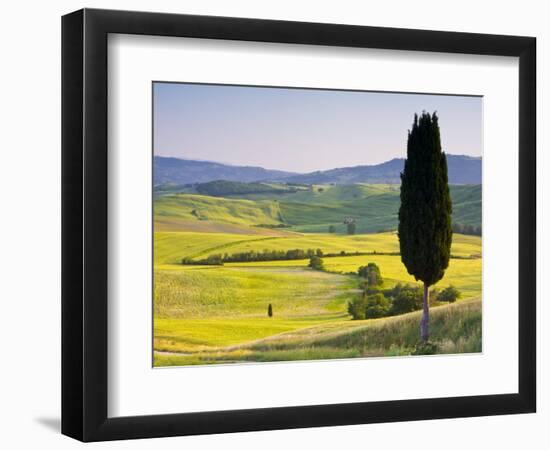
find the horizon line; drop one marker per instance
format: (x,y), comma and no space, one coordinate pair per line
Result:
(298,173)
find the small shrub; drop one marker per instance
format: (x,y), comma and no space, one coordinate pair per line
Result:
(425,348)
(369,307)
(405,298)
(316,263)
(372,274)
(332,229)
(449,294)
(377,306)
(357,308)
(270,311)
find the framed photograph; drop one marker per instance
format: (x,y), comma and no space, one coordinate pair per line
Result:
(273,224)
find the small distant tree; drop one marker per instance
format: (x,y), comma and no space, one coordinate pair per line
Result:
(357,308)
(449,294)
(316,263)
(270,310)
(351,227)
(332,229)
(319,253)
(371,272)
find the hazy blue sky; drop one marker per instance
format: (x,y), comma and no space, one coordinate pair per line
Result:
(302,130)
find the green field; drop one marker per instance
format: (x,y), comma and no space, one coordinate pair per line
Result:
(311,210)
(457,329)
(218,314)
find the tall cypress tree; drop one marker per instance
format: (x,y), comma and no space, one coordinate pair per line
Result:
(425,232)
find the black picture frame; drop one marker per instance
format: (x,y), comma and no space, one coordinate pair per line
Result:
(84,224)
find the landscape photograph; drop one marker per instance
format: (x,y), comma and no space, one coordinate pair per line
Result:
(294,224)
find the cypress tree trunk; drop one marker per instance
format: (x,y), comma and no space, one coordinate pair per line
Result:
(425,322)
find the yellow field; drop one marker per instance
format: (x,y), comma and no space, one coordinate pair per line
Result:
(171,247)
(206,314)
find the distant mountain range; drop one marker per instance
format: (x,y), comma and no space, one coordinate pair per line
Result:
(188,171)
(462,170)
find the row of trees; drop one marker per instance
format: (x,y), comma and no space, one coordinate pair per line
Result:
(273,255)
(223,188)
(351,226)
(253,256)
(461,228)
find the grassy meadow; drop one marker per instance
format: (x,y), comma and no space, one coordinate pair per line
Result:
(205,314)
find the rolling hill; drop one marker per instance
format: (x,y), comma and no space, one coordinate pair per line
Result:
(173,171)
(312,210)
(186,171)
(462,170)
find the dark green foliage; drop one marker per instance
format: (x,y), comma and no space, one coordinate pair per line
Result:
(316,263)
(212,260)
(424,229)
(270,311)
(332,229)
(449,294)
(272,226)
(358,308)
(369,307)
(377,306)
(425,233)
(370,290)
(271,255)
(425,348)
(372,274)
(351,227)
(221,188)
(405,298)
(400,299)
